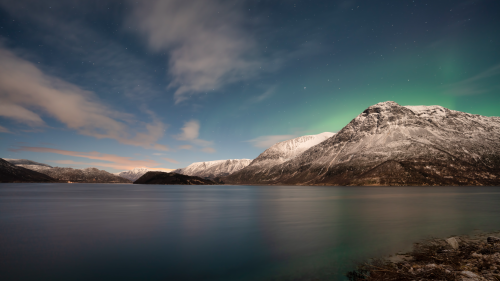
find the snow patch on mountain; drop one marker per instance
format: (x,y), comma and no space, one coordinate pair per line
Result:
(427,111)
(19,162)
(13,173)
(289,149)
(213,169)
(136,173)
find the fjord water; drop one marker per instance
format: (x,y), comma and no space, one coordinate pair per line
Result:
(155,232)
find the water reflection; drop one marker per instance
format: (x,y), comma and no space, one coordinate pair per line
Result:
(133,232)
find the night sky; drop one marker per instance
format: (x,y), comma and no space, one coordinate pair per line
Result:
(124,84)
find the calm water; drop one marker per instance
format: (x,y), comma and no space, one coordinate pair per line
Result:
(144,232)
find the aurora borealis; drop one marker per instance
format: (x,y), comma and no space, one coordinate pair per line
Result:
(119,84)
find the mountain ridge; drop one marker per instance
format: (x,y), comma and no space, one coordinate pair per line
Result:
(277,154)
(135,173)
(86,175)
(214,169)
(13,173)
(18,162)
(414,145)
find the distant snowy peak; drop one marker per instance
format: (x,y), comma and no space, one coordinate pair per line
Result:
(289,149)
(25,162)
(135,173)
(87,175)
(213,169)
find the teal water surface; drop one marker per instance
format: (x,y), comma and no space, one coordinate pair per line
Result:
(155,232)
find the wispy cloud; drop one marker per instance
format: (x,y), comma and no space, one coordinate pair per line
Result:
(477,84)
(107,64)
(185,146)
(4,130)
(27,93)
(190,132)
(171,160)
(208,150)
(110,160)
(207,44)
(265,95)
(268,141)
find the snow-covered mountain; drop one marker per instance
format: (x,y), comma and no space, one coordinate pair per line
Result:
(135,173)
(289,149)
(19,162)
(12,173)
(389,144)
(213,169)
(278,154)
(87,175)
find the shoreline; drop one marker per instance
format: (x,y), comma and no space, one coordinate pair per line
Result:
(474,257)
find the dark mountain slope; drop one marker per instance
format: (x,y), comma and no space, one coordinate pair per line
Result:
(171,178)
(12,173)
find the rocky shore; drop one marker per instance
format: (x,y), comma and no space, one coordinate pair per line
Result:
(459,258)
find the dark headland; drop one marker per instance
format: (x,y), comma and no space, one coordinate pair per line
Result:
(171,178)
(12,173)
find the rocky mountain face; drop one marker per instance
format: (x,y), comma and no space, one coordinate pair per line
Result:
(389,144)
(171,178)
(12,173)
(133,174)
(22,162)
(277,154)
(214,169)
(87,175)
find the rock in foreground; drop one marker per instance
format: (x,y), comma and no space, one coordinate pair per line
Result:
(12,173)
(474,259)
(171,178)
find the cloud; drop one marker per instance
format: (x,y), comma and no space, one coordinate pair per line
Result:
(185,146)
(4,130)
(20,114)
(269,92)
(208,150)
(190,132)
(171,160)
(113,161)
(268,141)
(26,93)
(483,82)
(205,39)
(105,63)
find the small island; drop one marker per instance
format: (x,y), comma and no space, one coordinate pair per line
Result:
(171,178)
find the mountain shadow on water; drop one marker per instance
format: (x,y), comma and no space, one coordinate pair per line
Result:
(171,178)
